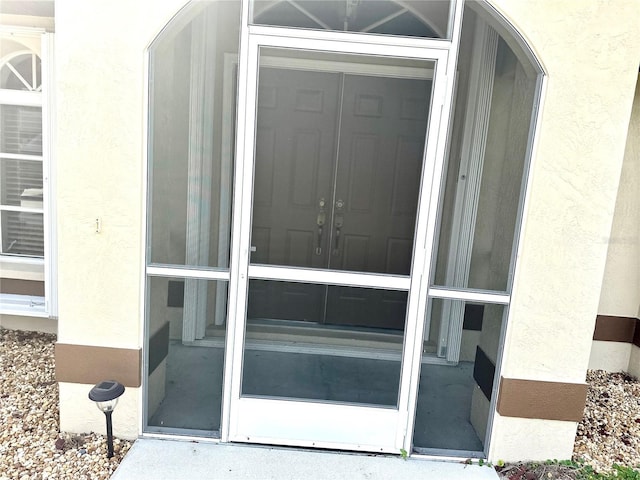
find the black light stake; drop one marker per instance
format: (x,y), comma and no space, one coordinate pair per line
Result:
(106,394)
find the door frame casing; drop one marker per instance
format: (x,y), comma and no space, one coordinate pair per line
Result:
(240,411)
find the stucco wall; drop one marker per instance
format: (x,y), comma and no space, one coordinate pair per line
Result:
(610,356)
(620,294)
(100,70)
(634,361)
(574,180)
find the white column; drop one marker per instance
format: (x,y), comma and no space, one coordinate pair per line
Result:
(469,179)
(201,104)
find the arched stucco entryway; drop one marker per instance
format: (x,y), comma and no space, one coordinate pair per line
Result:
(323,218)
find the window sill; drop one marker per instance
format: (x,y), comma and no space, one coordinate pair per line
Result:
(24,305)
(22,268)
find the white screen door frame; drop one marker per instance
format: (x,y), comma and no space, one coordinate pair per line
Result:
(304,423)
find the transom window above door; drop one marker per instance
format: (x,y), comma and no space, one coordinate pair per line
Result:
(428,19)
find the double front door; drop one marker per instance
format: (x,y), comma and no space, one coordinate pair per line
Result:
(338,161)
(336,157)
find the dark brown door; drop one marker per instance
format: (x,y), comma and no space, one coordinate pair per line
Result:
(294,171)
(383,125)
(337,177)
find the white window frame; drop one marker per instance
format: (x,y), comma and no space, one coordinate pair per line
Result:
(32,267)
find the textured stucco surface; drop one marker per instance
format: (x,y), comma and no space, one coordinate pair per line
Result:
(574,179)
(590,51)
(100,69)
(634,361)
(621,284)
(528,439)
(79,414)
(610,356)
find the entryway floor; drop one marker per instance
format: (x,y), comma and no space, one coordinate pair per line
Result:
(194,388)
(154,459)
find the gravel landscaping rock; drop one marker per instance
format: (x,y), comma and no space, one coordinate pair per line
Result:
(608,434)
(610,429)
(31,445)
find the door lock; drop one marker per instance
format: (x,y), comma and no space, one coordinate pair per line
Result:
(320,221)
(338,222)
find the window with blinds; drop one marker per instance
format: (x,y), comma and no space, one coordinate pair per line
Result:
(21,160)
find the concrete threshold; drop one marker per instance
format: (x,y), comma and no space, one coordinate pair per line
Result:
(156,459)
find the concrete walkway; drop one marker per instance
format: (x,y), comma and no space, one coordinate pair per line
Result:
(155,459)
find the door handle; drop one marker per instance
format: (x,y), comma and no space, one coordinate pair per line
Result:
(320,221)
(338,223)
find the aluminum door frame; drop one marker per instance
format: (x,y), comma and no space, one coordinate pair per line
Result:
(243,418)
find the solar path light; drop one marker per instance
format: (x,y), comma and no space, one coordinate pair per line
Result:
(106,394)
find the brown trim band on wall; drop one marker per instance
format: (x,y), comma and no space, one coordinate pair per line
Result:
(636,334)
(541,400)
(90,365)
(34,288)
(615,329)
